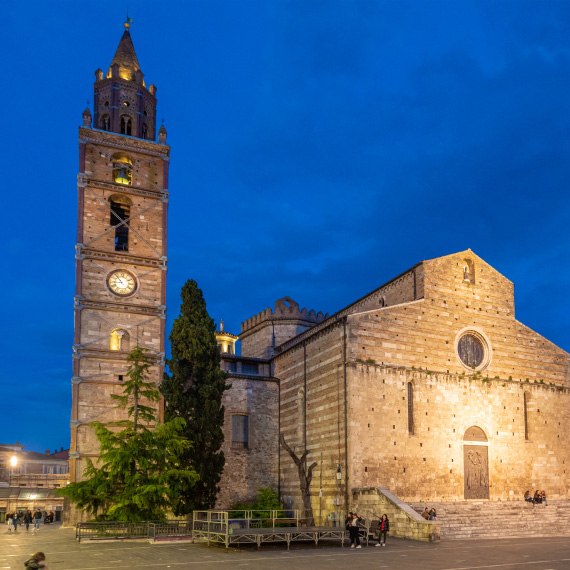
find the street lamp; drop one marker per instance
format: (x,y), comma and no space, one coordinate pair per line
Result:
(13,465)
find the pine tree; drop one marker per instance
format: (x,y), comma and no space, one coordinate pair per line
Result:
(194,392)
(140,466)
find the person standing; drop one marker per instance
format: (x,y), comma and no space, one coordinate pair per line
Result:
(10,521)
(352,526)
(15,520)
(383,529)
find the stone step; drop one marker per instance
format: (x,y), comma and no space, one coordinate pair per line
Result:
(498,520)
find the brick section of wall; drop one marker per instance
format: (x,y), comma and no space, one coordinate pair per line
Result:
(323,393)
(248,470)
(96,368)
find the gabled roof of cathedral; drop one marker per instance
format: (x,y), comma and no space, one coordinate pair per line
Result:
(350,307)
(125,56)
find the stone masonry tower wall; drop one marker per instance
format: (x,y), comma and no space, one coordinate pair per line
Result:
(120,253)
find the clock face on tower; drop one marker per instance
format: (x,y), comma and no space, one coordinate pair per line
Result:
(122,282)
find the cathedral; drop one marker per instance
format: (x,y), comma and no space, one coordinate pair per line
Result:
(427,386)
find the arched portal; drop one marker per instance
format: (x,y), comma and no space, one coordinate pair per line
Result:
(476,464)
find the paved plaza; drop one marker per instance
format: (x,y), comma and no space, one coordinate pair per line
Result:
(63,552)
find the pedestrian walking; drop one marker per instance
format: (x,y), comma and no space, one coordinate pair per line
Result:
(37,520)
(27,519)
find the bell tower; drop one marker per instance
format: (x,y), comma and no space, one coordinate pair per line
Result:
(120,291)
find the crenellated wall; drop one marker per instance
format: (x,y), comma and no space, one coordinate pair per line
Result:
(262,333)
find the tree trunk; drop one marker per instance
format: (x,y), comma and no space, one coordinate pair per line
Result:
(305,478)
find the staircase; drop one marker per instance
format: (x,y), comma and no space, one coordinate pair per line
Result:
(486,519)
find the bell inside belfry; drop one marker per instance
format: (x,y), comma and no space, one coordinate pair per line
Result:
(122,172)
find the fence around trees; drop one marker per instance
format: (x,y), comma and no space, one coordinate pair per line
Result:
(221,527)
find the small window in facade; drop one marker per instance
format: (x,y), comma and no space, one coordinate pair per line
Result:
(525,412)
(144,131)
(120,219)
(249,368)
(240,431)
(469,271)
(410,408)
(126,125)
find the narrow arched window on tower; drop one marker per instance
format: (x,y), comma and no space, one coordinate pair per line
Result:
(120,220)
(119,340)
(126,125)
(144,131)
(105,123)
(410,408)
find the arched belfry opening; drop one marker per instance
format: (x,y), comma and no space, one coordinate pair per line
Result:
(476,464)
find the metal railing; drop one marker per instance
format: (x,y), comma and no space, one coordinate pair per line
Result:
(132,531)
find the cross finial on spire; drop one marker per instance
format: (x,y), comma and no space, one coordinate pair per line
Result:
(128,22)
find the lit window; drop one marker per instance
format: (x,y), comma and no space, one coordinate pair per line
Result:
(122,170)
(119,340)
(240,431)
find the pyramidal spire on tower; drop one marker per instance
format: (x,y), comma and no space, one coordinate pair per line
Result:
(122,102)
(125,56)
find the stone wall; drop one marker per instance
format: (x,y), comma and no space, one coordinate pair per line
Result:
(312,412)
(428,464)
(248,470)
(377,356)
(373,502)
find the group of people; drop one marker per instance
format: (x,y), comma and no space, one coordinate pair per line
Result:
(429,515)
(353,523)
(25,519)
(538,498)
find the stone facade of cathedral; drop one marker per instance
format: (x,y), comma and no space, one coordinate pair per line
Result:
(428,386)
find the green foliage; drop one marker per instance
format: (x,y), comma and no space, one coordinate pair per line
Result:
(193,391)
(139,469)
(137,475)
(266,500)
(136,388)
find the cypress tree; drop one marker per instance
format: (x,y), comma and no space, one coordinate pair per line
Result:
(193,391)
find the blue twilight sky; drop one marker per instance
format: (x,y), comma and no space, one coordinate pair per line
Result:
(319,148)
